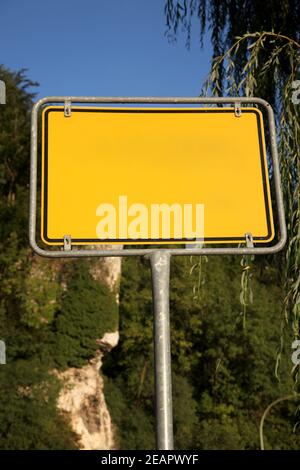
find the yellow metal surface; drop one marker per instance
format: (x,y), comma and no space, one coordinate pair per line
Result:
(149,156)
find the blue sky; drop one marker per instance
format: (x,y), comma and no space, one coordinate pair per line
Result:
(100,47)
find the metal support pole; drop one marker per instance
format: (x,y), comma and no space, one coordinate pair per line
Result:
(160,268)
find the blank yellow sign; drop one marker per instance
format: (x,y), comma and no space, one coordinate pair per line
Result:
(106,168)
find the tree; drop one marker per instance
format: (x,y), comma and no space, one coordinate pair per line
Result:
(29,419)
(256,52)
(51,314)
(222,373)
(229,19)
(87,310)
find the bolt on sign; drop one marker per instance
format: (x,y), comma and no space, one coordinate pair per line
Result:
(154,175)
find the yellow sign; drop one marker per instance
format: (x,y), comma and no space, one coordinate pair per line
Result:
(154,175)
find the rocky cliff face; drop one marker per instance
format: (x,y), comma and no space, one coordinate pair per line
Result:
(82,397)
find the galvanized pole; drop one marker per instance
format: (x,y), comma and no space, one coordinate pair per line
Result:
(160,268)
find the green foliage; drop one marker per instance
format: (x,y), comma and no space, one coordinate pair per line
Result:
(256,52)
(88,310)
(29,419)
(223,374)
(256,69)
(39,293)
(225,21)
(277,429)
(185,413)
(185,320)
(214,434)
(50,317)
(134,427)
(15,133)
(51,313)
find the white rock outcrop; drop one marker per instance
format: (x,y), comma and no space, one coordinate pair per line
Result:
(82,400)
(82,396)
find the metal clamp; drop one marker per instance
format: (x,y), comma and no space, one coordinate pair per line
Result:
(249,240)
(237,109)
(67,243)
(2,92)
(67,109)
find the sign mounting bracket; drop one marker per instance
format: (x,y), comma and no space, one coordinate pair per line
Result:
(67,108)
(67,243)
(237,109)
(249,240)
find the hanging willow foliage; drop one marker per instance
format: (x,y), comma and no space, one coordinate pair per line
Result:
(223,21)
(223,76)
(263,64)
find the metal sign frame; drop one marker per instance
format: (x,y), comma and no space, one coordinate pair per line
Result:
(159,257)
(79,253)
